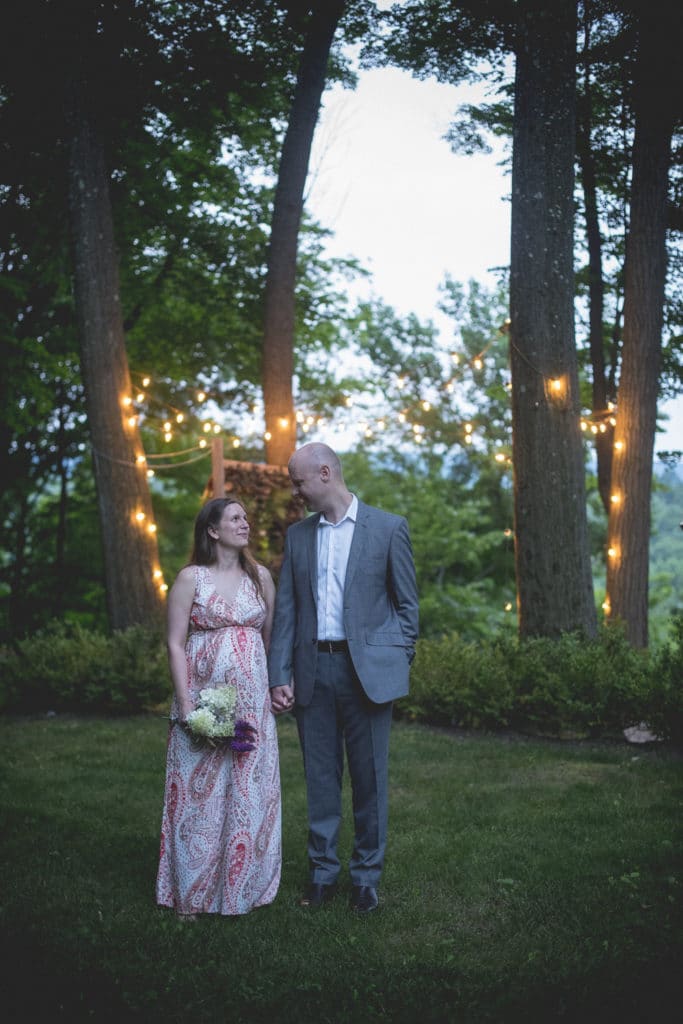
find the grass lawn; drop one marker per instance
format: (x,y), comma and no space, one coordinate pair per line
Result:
(525,881)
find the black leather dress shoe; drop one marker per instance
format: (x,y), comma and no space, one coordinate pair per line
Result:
(363,899)
(316,894)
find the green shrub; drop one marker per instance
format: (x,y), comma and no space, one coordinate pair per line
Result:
(569,685)
(572,684)
(69,668)
(460,683)
(666,715)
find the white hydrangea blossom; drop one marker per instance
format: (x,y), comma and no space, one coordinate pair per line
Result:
(214,716)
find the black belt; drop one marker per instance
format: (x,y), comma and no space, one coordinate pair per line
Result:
(333,646)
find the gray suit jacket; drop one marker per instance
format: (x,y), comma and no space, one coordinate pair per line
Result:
(380,607)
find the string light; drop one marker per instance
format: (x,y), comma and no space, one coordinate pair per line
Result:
(139,516)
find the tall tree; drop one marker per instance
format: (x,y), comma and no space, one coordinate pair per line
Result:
(125,505)
(554,584)
(596,285)
(279,311)
(657,90)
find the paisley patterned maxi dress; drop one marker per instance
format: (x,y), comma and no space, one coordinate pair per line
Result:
(221,832)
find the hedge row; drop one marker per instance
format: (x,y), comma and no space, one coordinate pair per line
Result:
(568,686)
(69,668)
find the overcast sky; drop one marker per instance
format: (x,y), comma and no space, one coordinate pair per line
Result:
(385,181)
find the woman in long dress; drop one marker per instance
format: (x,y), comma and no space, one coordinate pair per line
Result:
(220,833)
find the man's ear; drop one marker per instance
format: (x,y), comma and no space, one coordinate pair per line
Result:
(325,473)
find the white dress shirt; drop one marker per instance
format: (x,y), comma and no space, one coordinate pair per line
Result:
(334,544)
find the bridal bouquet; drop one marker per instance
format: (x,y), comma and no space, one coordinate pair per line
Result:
(214,720)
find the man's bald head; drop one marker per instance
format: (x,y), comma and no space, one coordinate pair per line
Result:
(316,474)
(314,456)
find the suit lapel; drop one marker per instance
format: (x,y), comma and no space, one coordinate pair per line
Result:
(358,544)
(312,554)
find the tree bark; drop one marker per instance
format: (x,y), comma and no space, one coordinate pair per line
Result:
(596,288)
(130,548)
(656,92)
(554,584)
(279,314)
(60,533)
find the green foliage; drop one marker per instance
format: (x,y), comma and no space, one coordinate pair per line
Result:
(65,668)
(666,553)
(565,686)
(667,717)
(457,682)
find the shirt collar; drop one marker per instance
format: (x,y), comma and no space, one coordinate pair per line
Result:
(351,513)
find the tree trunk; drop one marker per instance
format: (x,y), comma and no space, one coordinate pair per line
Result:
(656,92)
(279,314)
(596,289)
(60,533)
(554,584)
(130,546)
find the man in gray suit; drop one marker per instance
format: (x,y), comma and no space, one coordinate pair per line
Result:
(344,632)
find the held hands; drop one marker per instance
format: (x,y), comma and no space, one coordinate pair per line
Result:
(282,699)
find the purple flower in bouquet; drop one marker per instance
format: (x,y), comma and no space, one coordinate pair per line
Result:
(244,738)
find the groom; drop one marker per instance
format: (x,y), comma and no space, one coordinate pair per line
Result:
(346,618)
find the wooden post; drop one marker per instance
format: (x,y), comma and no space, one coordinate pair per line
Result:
(217,467)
